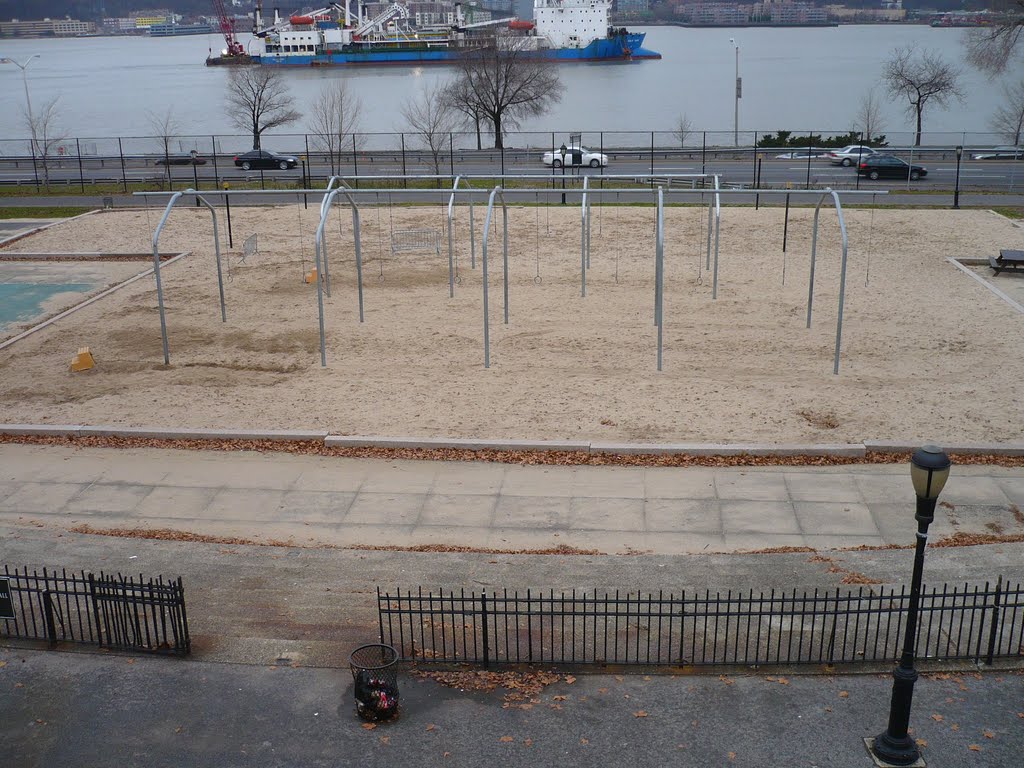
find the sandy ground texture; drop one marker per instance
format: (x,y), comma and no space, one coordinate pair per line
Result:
(928,353)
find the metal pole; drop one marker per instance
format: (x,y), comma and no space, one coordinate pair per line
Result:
(718,230)
(660,272)
(483,257)
(451,255)
(652,159)
(504,243)
(583,240)
(895,745)
(405,181)
(703,151)
(124,176)
(472,237)
(195,180)
(156,273)
(216,174)
(736,114)
(753,157)
(35,168)
(81,173)
(842,284)
(451,155)
(956,187)
(810,140)
(785,231)
(355,164)
(227,205)
(358,237)
(757,183)
(814,253)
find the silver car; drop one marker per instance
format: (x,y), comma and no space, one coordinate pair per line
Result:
(849,155)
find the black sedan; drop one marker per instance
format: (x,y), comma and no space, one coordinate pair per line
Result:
(260,158)
(889,167)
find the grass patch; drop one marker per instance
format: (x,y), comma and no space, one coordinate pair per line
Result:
(1010,211)
(41,211)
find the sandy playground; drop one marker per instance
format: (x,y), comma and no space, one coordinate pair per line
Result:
(928,353)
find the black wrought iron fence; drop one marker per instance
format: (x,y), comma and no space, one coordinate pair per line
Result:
(112,611)
(735,628)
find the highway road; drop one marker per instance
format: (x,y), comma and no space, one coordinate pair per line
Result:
(764,169)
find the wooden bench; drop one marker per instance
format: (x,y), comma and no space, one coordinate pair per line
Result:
(1007,259)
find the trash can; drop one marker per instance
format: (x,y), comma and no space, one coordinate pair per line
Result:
(376,681)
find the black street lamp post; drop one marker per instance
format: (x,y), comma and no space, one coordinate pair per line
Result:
(929,470)
(563,150)
(956,185)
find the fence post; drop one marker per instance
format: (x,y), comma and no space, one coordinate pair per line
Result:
(184,617)
(81,173)
(95,610)
(405,181)
(703,152)
(51,626)
(216,175)
(810,141)
(753,154)
(307,175)
(124,174)
(483,616)
(451,157)
(993,631)
(652,159)
(355,160)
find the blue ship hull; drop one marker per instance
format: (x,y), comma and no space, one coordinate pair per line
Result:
(624,48)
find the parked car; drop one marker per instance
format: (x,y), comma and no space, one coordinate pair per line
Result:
(575,156)
(1001,153)
(887,166)
(850,155)
(260,158)
(182,160)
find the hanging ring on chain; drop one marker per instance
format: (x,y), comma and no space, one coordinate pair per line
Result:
(458,279)
(538,280)
(380,278)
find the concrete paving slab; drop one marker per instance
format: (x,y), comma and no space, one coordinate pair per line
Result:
(609,482)
(246,504)
(539,512)
(468,535)
(131,470)
(840,541)
(6,489)
(316,506)
(32,498)
(747,485)
(115,499)
(679,483)
(606,514)
(683,515)
(540,538)
(835,518)
(385,508)
(473,510)
(69,468)
(537,481)
(400,477)
(671,543)
(879,488)
(373,534)
(217,472)
(974,490)
(812,486)
(345,475)
(759,517)
(895,522)
(469,478)
(168,501)
(1013,487)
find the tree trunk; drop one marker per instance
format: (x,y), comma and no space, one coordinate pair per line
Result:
(917,134)
(476,122)
(255,138)
(499,137)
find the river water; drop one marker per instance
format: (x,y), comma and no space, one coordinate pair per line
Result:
(797,79)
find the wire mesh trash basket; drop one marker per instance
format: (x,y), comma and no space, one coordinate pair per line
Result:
(376,681)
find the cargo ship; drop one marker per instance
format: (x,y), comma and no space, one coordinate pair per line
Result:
(561,30)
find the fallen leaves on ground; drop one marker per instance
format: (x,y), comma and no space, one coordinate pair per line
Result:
(921,742)
(938,718)
(520,686)
(974,747)
(989,734)
(732,755)
(506,739)
(844,694)
(385,739)
(369,726)
(640,713)
(430,727)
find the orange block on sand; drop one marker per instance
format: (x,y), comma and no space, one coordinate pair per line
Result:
(83,361)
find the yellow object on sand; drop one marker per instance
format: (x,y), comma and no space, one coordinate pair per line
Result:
(311,277)
(83,361)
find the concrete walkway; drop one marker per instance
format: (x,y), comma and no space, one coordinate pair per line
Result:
(311,500)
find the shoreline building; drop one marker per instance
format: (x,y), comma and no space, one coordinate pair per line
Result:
(47,28)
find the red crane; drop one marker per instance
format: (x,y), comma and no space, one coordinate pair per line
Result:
(227,28)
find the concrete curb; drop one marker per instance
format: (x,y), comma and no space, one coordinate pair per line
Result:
(839,450)
(855,450)
(429,443)
(15,238)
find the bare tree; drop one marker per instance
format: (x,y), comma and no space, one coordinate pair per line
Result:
(165,126)
(1008,119)
(335,120)
(430,118)
(460,98)
(258,100)
(992,48)
(868,121)
(45,134)
(682,129)
(505,84)
(922,78)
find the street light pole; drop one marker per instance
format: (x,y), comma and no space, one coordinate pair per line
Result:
(956,186)
(929,470)
(739,94)
(24,78)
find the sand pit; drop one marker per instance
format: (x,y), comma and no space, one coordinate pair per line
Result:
(928,352)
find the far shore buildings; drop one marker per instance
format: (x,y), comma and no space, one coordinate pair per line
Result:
(47,28)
